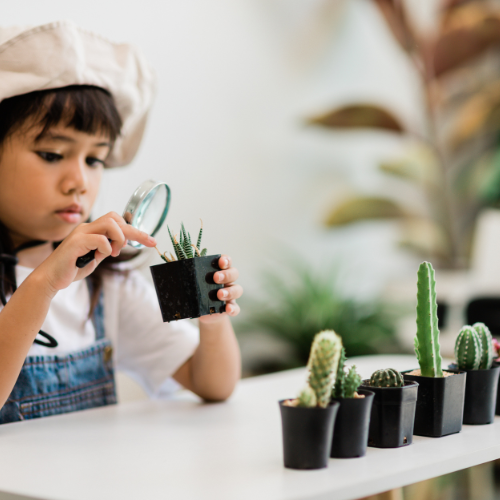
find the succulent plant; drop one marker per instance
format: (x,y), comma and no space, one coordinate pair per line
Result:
(427,338)
(487,353)
(184,248)
(386,378)
(474,348)
(346,384)
(322,365)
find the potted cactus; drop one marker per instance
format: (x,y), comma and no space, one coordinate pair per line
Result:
(474,355)
(350,434)
(184,283)
(393,410)
(441,393)
(308,420)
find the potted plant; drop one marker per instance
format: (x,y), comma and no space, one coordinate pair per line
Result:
(440,400)
(393,410)
(350,434)
(496,362)
(185,285)
(474,355)
(307,421)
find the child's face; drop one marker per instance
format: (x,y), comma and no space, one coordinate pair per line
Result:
(48,186)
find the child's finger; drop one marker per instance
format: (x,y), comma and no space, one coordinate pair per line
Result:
(226,276)
(225,262)
(232,308)
(230,292)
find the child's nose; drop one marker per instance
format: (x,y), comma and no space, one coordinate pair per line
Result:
(76,176)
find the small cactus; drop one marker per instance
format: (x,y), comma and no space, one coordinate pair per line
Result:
(486,345)
(345,384)
(307,397)
(473,348)
(386,378)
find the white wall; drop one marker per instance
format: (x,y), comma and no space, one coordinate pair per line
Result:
(235,80)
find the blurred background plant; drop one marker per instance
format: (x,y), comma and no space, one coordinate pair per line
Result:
(455,161)
(299,302)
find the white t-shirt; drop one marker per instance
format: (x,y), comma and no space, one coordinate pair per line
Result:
(147,349)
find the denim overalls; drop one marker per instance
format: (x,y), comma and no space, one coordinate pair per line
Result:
(50,385)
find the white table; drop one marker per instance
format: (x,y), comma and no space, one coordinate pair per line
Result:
(182,449)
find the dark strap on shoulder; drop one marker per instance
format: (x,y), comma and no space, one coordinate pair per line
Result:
(98,313)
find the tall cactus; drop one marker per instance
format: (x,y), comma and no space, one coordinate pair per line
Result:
(468,351)
(486,345)
(323,364)
(427,338)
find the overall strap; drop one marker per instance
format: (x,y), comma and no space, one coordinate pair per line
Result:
(98,313)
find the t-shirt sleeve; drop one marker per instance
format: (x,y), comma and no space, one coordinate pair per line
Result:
(147,349)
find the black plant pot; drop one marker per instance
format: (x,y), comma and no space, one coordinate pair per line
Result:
(497,411)
(393,412)
(307,435)
(481,389)
(186,288)
(440,404)
(350,434)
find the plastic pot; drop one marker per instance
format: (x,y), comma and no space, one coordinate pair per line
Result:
(497,411)
(481,389)
(392,415)
(350,434)
(440,404)
(307,435)
(186,288)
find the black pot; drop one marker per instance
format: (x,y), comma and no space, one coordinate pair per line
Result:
(393,412)
(497,411)
(307,435)
(440,404)
(481,396)
(350,434)
(186,288)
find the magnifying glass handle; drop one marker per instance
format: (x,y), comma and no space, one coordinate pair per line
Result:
(85,259)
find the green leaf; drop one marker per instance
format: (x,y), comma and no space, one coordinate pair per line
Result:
(363,208)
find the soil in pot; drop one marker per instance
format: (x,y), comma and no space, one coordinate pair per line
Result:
(307,435)
(392,415)
(481,388)
(186,288)
(440,403)
(350,435)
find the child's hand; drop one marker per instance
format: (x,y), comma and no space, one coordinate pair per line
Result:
(60,268)
(227,276)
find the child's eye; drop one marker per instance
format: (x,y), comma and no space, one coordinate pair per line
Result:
(49,157)
(94,162)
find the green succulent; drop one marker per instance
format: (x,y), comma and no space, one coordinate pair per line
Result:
(386,378)
(184,248)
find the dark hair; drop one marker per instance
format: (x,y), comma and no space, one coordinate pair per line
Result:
(82,107)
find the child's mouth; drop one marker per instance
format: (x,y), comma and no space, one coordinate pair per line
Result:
(71,214)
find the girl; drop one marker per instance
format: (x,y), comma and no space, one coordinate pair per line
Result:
(72,104)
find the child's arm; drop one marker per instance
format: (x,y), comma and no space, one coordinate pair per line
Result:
(215,367)
(25,312)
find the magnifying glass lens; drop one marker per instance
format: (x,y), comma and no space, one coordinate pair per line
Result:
(151,212)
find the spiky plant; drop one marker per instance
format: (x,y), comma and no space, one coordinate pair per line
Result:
(386,378)
(307,397)
(486,345)
(427,338)
(346,384)
(474,348)
(184,248)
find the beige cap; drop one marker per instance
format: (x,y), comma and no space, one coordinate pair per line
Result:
(60,54)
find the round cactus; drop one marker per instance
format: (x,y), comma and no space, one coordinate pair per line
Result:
(387,378)
(486,345)
(468,351)
(307,397)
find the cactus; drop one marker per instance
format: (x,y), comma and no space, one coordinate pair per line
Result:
(183,248)
(427,338)
(386,378)
(345,384)
(323,364)
(486,339)
(307,397)
(468,351)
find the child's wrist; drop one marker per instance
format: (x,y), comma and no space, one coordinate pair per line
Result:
(39,279)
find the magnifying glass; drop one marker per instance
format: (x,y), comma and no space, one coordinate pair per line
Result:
(146,210)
